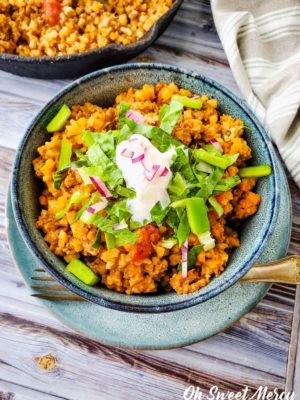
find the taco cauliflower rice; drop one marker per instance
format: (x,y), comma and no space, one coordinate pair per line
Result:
(146,195)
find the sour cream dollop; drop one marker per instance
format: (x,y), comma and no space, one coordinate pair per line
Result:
(149,177)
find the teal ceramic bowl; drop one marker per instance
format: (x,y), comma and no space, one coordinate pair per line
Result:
(101,88)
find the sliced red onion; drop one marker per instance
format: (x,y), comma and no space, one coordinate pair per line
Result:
(101,187)
(165,172)
(135,116)
(216,145)
(97,207)
(117,227)
(145,166)
(184,260)
(138,158)
(127,153)
(150,176)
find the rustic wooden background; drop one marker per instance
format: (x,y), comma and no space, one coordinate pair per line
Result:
(88,370)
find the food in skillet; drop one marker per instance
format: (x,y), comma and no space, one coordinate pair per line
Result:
(146,195)
(57,27)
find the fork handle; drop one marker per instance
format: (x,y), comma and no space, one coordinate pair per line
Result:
(286,270)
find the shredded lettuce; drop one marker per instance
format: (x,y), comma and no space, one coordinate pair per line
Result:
(182,164)
(208,184)
(192,257)
(193,254)
(133,225)
(169,115)
(227,184)
(124,236)
(119,211)
(125,192)
(123,108)
(106,168)
(178,185)
(106,140)
(183,230)
(158,213)
(159,138)
(124,134)
(172,219)
(169,243)
(88,137)
(210,148)
(104,224)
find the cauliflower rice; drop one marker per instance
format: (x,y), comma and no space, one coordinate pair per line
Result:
(56,27)
(146,266)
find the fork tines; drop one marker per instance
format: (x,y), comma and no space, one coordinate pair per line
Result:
(48,290)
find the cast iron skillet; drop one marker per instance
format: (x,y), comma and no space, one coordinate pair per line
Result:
(75,65)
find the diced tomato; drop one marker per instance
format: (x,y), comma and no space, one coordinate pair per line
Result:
(220,196)
(149,234)
(52,9)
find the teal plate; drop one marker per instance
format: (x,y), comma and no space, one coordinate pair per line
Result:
(164,330)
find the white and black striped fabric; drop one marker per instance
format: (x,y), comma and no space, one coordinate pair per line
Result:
(262,42)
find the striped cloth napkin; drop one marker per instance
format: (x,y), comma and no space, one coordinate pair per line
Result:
(262,43)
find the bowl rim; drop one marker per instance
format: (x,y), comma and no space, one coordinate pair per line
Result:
(141,44)
(122,305)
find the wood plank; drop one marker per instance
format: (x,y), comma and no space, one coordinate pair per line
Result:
(15,391)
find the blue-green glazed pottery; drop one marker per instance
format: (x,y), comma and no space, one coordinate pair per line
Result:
(159,330)
(101,88)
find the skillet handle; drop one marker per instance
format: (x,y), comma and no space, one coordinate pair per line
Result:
(286,270)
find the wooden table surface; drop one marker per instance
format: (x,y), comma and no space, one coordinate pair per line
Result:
(260,349)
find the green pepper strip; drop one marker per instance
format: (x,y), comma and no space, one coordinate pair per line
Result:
(58,122)
(179,203)
(216,205)
(57,180)
(222,162)
(64,161)
(91,201)
(83,272)
(227,184)
(188,101)
(97,242)
(197,216)
(76,197)
(110,240)
(199,222)
(197,219)
(256,171)
(65,154)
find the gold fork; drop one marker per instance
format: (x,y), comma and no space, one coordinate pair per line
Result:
(286,270)
(49,289)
